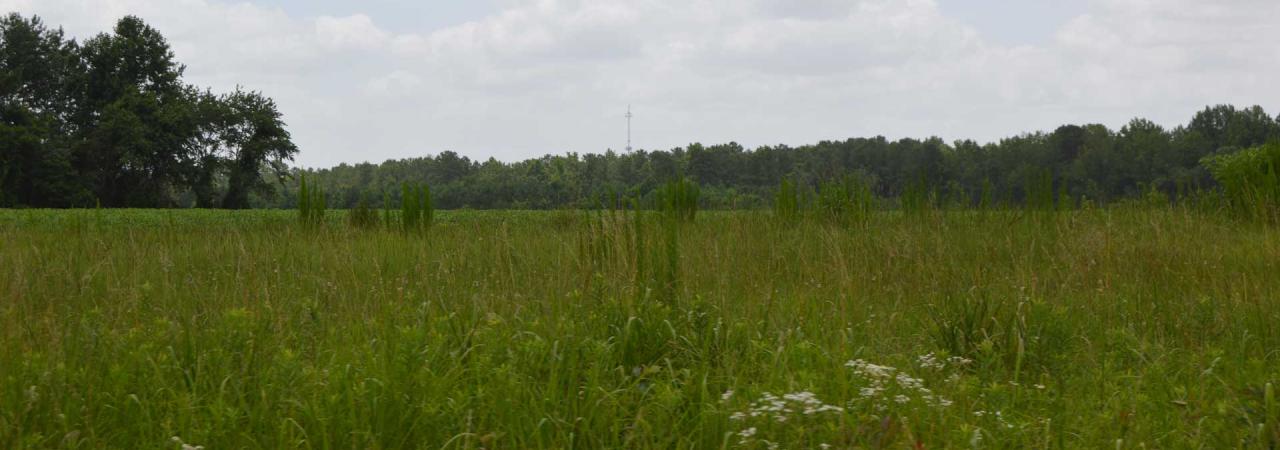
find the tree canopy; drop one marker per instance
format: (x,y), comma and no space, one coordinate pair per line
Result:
(1084,162)
(110,122)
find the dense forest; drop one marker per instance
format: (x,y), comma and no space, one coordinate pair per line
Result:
(1083,162)
(110,122)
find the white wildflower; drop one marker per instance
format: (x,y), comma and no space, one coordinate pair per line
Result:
(869,370)
(929,361)
(184,445)
(881,380)
(908,382)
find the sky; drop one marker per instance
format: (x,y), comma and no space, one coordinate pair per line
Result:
(513,79)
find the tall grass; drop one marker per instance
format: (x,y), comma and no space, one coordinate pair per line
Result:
(678,199)
(1250,181)
(311,203)
(846,201)
(788,201)
(417,212)
(1147,327)
(1038,193)
(918,197)
(363,216)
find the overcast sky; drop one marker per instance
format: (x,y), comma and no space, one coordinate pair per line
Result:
(377,79)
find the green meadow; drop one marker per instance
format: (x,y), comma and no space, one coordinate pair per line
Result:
(1125,327)
(1087,287)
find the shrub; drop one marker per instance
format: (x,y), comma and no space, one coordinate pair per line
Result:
(1249,181)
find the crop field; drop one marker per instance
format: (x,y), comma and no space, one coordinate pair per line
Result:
(1118,328)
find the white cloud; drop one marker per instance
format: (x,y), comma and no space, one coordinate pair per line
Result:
(555,75)
(356,31)
(1176,53)
(398,82)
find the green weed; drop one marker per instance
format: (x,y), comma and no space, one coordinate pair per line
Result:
(1153,327)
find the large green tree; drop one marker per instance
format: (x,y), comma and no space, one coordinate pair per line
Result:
(37,72)
(111,122)
(254,134)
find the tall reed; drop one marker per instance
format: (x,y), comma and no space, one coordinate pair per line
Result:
(363,215)
(678,199)
(787,201)
(845,201)
(416,210)
(311,203)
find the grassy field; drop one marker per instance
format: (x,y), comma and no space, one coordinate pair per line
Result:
(1110,328)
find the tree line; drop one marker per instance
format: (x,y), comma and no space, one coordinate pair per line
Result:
(1082,163)
(109,122)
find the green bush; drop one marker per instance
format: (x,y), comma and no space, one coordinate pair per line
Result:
(1250,184)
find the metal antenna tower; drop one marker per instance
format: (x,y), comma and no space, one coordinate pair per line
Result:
(629,116)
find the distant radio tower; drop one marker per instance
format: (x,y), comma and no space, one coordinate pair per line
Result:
(629,116)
